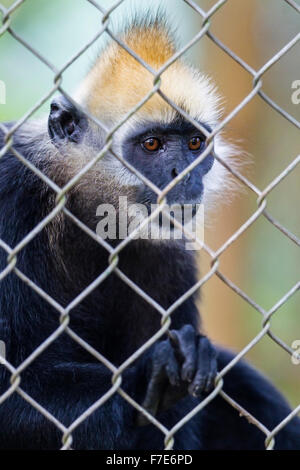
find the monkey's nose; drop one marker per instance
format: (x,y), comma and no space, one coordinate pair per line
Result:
(176,173)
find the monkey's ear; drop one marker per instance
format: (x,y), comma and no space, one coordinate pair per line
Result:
(66,123)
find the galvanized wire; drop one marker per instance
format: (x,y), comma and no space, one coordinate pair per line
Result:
(113,253)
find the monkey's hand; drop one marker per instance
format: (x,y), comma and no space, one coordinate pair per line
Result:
(185,363)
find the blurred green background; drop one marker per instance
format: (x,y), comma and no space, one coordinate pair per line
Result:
(262,262)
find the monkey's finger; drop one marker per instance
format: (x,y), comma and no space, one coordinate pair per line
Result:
(186,344)
(206,369)
(155,391)
(164,369)
(164,359)
(172,368)
(210,380)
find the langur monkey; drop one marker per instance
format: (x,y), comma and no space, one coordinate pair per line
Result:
(175,373)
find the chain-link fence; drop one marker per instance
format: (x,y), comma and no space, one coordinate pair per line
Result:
(113,253)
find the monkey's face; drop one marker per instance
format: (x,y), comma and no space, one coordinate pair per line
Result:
(161,152)
(155,140)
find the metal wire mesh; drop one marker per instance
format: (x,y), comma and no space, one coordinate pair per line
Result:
(61,197)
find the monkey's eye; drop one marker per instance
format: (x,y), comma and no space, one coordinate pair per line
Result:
(152,144)
(195,143)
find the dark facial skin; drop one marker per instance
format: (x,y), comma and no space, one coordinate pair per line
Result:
(162,152)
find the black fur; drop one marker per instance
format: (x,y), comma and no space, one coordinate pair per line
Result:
(65,379)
